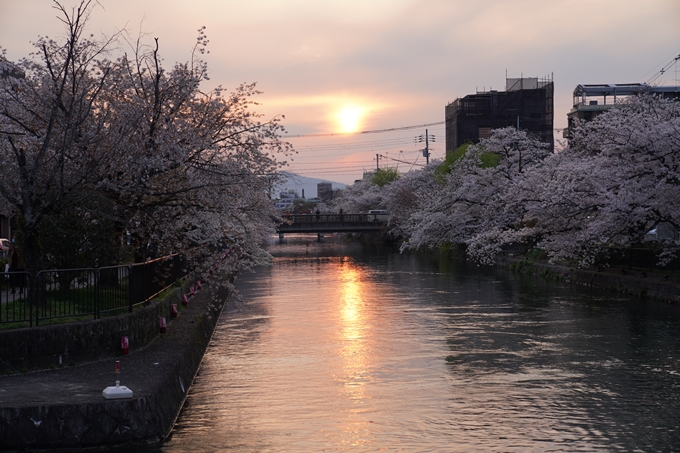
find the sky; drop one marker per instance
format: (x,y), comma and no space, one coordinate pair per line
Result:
(335,67)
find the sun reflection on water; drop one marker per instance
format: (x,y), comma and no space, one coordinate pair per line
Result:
(355,351)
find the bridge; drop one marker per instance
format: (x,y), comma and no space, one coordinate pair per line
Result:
(331,223)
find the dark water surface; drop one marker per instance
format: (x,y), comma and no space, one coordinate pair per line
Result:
(343,347)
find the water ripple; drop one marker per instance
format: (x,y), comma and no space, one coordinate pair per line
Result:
(376,351)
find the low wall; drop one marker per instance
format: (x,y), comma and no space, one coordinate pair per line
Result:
(72,343)
(77,417)
(625,284)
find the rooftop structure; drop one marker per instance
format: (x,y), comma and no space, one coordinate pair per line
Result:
(591,100)
(526,103)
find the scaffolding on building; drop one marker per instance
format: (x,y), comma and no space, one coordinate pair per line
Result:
(526,103)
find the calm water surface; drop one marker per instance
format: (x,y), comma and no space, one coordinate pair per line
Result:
(343,347)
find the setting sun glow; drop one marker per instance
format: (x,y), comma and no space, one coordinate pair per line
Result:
(349,119)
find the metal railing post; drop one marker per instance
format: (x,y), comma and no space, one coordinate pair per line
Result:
(96,292)
(129,278)
(36,299)
(30,307)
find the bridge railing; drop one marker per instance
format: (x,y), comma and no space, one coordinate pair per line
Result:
(332,218)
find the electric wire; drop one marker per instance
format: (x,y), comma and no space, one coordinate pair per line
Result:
(377,131)
(342,144)
(673,59)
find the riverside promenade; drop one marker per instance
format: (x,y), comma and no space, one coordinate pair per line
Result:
(63,408)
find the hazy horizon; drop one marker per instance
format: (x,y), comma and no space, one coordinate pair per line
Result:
(345,66)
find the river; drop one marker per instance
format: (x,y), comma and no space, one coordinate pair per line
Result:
(340,346)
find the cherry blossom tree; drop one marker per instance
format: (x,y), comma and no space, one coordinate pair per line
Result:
(51,140)
(123,139)
(359,197)
(473,200)
(618,179)
(202,163)
(404,197)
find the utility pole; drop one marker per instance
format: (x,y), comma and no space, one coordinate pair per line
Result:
(426,138)
(427,148)
(377,162)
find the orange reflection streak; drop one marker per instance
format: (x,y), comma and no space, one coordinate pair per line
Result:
(355,350)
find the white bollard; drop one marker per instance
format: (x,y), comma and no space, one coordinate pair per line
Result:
(119,391)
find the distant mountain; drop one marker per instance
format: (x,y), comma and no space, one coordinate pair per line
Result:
(300,183)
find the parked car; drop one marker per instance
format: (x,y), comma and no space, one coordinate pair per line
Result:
(4,246)
(378,215)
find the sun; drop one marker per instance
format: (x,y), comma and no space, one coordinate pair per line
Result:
(349,119)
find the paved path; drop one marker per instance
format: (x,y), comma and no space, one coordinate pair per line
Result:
(159,375)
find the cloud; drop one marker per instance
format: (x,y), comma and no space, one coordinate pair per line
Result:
(401,59)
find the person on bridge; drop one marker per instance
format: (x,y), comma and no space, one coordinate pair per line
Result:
(341,215)
(318,215)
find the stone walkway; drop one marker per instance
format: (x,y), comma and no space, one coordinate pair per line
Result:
(64,407)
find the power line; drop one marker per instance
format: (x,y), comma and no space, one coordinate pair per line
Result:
(386,142)
(402,161)
(377,131)
(319,168)
(354,162)
(330,149)
(294,159)
(673,59)
(355,168)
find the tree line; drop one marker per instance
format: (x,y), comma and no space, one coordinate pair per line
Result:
(105,151)
(612,186)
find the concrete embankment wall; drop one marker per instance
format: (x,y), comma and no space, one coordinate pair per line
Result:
(64,409)
(69,344)
(625,284)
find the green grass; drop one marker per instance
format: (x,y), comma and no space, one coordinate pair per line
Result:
(65,306)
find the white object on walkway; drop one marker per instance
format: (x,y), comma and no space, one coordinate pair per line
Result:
(117,392)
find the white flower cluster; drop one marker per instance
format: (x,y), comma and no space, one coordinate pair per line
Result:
(173,166)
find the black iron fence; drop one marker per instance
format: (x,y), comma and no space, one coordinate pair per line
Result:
(76,293)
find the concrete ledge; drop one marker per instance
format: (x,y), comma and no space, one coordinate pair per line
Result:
(626,284)
(63,344)
(64,408)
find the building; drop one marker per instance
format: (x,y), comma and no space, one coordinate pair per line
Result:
(592,100)
(324,190)
(526,103)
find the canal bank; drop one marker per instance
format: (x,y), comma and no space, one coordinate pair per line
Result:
(655,285)
(63,408)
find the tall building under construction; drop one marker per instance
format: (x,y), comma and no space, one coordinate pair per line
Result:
(526,103)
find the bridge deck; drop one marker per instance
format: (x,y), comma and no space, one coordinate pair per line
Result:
(331,223)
